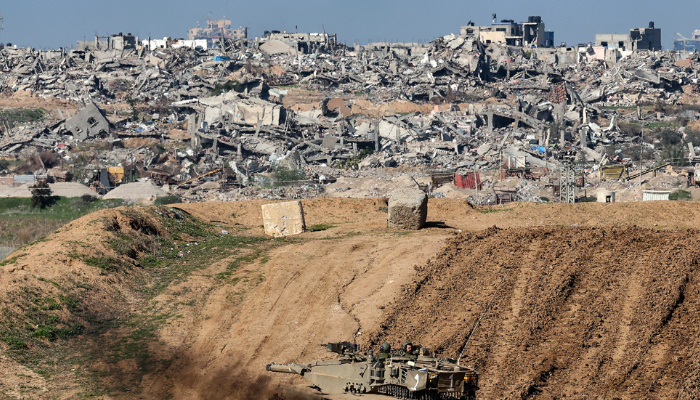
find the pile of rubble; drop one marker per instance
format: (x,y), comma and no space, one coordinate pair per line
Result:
(209,124)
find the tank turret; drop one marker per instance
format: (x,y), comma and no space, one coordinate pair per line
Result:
(426,377)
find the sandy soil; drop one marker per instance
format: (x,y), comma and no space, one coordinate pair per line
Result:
(576,311)
(26,99)
(598,299)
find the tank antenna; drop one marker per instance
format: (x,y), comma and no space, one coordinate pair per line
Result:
(476,325)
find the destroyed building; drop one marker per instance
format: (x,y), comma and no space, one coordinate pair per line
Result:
(217,29)
(508,32)
(88,123)
(113,42)
(305,43)
(217,123)
(638,39)
(691,44)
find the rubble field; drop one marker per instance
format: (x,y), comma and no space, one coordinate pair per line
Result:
(228,124)
(191,301)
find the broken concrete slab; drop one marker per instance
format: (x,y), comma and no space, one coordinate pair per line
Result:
(88,123)
(283,219)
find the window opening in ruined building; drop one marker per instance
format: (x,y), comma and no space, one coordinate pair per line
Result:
(604,44)
(92,121)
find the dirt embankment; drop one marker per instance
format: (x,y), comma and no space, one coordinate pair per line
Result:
(596,300)
(577,313)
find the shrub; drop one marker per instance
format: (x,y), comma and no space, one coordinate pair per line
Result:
(284,177)
(227,87)
(169,199)
(680,195)
(630,128)
(14,342)
(49,158)
(41,195)
(670,137)
(88,198)
(692,136)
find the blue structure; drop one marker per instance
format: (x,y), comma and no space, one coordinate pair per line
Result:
(685,44)
(549,39)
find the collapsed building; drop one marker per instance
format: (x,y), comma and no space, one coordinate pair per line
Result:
(113,42)
(475,109)
(638,39)
(217,29)
(304,43)
(508,32)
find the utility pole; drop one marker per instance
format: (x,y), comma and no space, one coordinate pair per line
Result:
(567,179)
(641,152)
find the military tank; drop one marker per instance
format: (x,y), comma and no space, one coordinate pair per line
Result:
(422,377)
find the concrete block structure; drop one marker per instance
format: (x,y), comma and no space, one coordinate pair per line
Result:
(638,39)
(529,34)
(217,29)
(88,123)
(408,209)
(114,42)
(283,219)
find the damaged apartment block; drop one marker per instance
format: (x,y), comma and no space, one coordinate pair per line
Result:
(88,123)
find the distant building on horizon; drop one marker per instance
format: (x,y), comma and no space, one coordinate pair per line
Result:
(305,43)
(216,29)
(687,44)
(638,39)
(527,34)
(113,42)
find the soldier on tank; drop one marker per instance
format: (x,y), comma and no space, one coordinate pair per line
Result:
(384,351)
(409,351)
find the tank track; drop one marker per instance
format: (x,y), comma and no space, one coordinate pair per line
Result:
(402,392)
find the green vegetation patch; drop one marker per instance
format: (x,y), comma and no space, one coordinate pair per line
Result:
(319,227)
(63,209)
(22,115)
(165,200)
(21,224)
(680,195)
(160,246)
(227,87)
(284,177)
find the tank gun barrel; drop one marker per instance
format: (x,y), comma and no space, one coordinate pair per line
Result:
(287,368)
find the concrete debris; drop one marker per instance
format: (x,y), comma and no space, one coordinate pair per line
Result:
(226,123)
(283,219)
(408,209)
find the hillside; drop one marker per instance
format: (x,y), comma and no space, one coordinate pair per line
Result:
(607,312)
(192,301)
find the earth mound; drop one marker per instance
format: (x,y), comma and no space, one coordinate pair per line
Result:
(576,312)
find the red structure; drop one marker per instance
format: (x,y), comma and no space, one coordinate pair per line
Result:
(468,181)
